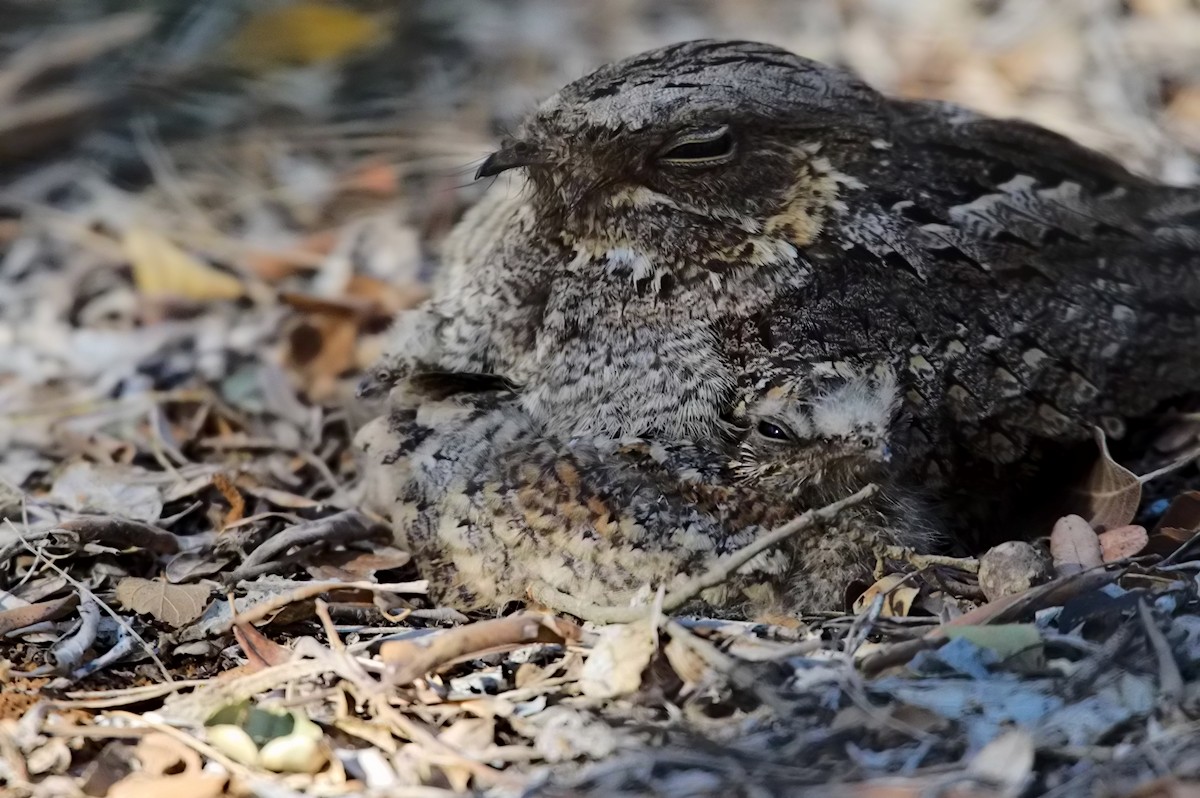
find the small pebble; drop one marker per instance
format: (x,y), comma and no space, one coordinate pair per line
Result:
(1011,568)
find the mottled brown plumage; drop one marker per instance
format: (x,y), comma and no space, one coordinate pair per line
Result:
(490,505)
(681,222)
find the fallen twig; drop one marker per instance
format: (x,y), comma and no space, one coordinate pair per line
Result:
(85,593)
(1003,610)
(412,658)
(344,527)
(556,599)
(1170,680)
(258,608)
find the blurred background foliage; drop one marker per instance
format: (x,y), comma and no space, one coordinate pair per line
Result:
(1122,75)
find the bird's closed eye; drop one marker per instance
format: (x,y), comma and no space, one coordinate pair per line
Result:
(773,431)
(707,146)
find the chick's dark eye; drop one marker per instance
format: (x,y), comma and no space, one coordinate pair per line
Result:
(700,147)
(866,441)
(769,430)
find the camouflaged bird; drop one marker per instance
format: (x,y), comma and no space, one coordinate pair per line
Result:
(490,506)
(685,216)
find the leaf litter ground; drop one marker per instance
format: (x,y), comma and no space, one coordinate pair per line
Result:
(197,260)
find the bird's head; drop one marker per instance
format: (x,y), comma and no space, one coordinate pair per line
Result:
(735,141)
(825,439)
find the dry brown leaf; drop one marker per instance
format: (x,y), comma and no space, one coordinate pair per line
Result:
(177,605)
(273,266)
(620,656)
(179,785)
(160,753)
(1166,541)
(1111,493)
(916,787)
(321,348)
(376,178)
(1183,114)
(386,296)
(237,504)
(163,270)
(120,532)
(687,664)
(472,736)
(168,767)
(261,652)
(1006,761)
(1183,512)
(1074,546)
(357,566)
(1178,524)
(303,33)
(1122,542)
(1005,609)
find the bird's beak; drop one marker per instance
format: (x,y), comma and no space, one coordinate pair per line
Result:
(511,156)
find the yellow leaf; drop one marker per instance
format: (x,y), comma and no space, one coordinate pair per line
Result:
(301,34)
(161,269)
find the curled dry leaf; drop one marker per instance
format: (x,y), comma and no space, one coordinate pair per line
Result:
(898,596)
(687,664)
(352,565)
(472,736)
(168,767)
(1111,493)
(261,652)
(177,605)
(1006,761)
(29,614)
(1177,526)
(237,503)
(1074,546)
(161,754)
(120,533)
(321,349)
(618,660)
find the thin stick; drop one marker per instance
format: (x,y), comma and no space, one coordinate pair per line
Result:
(719,573)
(681,595)
(1170,680)
(84,591)
(922,561)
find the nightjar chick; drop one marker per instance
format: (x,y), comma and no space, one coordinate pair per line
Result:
(489,504)
(677,216)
